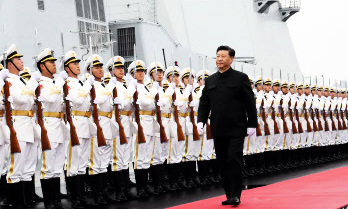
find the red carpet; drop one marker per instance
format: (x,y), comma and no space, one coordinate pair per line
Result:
(326,190)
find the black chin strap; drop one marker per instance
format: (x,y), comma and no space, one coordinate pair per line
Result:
(47,69)
(14,65)
(72,71)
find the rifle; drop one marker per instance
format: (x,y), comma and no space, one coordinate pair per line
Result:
(333,123)
(100,135)
(319,122)
(326,124)
(181,136)
(208,129)
(282,115)
(338,119)
(15,148)
(141,135)
(343,121)
(294,129)
(315,126)
(309,128)
(192,119)
(276,128)
(163,135)
(300,129)
(263,114)
(123,138)
(45,142)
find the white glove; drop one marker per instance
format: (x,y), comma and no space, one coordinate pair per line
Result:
(172,85)
(96,101)
(189,88)
(155,85)
(4,74)
(133,83)
(178,103)
(10,99)
(200,128)
(113,80)
(63,75)
(91,79)
(68,97)
(160,103)
(40,99)
(251,131)
(117,101)
(36,76)
(192,104)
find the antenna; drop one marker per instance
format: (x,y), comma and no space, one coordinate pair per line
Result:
(190,75)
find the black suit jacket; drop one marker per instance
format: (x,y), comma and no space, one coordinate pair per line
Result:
(230,99)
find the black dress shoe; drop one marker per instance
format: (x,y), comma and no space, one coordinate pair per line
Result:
(231,201)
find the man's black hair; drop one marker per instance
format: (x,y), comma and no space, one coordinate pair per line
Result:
(231,51)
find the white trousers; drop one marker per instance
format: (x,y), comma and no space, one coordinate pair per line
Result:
(99,159)
(121,154)
(78,157)
(53,161)
(23,164)
(206,149)
(143,153)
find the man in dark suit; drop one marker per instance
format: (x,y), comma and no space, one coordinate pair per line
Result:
(227,95)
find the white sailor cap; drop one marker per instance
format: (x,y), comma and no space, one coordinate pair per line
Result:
(137,66)
(170,70)
(45,55)
(152,68)
(11,52)
(196,87)
(285,84)
(165,83)
(344,90)
(107,77)
(186,72)
(251,79)
(93,60)
(299,85)
(201,72)
(292,84)
(70,57)
(25,73)
(1,62)
(275,82)
(259,80)
(116,61)
(306,85)
(327,88)
(267,81)
(332,89)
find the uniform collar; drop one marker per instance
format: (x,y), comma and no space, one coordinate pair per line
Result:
(44,78)
(225,74)
(72,79)
(13,76)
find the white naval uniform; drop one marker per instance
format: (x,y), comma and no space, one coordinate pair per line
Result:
(327,134)
(296,137)
(335,134)
(23,164)
(302,120)
(317,134)
(287,136)
(321,106)
(4,135)
(193,147)
(122,152)
(261,140)
(278,138)
(78,156)
(344,134)
(270,140)
(53,107)
(310,135)
(145,152)
(100,156)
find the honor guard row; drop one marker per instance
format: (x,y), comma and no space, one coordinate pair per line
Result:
(92,129)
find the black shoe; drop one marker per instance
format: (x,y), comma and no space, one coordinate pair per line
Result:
(76,204)
(231,201)
(121,196)
(141,193)
(159,190)
(150,192)
(184,185)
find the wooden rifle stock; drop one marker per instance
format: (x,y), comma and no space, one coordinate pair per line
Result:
(181,136)
(15,148)
(294,128)
(339,122)
(343,121)
(300,129)
(315,126)
(326,124)
(192,118)
(282,115)
(320,126)
(267,132)
(122,133)
(45,142)
(100,135)
(73,135)
(276,128)
(163,135)
(141,135)
(309,127)
(334,128)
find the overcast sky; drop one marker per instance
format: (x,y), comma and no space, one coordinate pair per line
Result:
(320,36)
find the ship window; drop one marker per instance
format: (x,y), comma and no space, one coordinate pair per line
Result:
(126,41)
(79,9)
(126,65)
(82,33)
(94,8)
(41,4)
(101,10)
(87,9)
